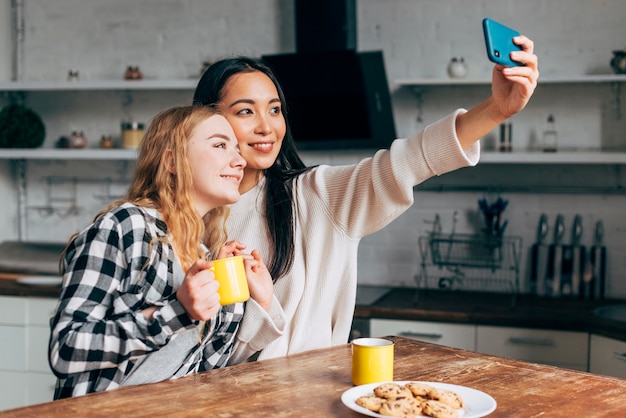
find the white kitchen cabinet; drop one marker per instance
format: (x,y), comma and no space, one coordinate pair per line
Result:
(566,349)
(607,356)
(25,377)
(449,334)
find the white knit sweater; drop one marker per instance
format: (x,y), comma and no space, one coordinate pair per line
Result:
(336,207)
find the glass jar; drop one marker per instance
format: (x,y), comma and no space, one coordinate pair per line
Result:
(132,132)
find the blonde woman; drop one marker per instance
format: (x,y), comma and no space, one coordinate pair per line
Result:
(139,303)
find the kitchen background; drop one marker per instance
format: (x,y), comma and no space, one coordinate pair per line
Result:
(170,39)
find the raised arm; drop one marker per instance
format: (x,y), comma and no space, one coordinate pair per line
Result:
(511,89)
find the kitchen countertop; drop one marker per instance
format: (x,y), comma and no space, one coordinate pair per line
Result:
(484,308)
(310,384)
(9,286)
(443,306)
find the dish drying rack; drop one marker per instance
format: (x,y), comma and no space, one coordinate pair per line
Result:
(479,262)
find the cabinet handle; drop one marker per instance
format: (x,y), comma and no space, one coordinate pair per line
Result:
(547,342)
(410,334)
(620,356)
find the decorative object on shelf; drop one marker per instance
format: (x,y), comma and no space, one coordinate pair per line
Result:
(63,142)
(506,137)
(72,75)
(457,68)
(550,135)
(78,140)
(106,142)
(20,127)
(618,63)
(132,132)
(133,73)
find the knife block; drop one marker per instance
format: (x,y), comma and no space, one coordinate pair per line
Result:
(539,268)
(572,268)
(597,259)
(566,264)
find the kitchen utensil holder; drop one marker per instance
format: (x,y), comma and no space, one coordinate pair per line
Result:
(63,201)
(475,262)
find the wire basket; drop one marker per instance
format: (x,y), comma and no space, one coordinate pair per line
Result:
(466,250)
(469,262)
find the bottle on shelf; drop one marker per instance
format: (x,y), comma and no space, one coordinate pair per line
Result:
(550,135)
(506,137)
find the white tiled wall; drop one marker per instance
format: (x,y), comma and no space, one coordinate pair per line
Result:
(170,39)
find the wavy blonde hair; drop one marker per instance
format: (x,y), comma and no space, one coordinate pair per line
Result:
(164,144)
(162,152)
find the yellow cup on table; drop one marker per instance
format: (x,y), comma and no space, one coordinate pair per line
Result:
(230,273)
(372,360)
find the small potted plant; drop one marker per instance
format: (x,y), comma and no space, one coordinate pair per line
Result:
(20,127)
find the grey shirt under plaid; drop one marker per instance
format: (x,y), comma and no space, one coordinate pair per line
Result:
(113,269)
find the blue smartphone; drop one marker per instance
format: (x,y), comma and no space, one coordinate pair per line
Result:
(499,42)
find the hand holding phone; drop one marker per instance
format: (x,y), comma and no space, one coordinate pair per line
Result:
(499,42)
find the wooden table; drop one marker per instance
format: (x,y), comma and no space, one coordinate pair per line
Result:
(310,384)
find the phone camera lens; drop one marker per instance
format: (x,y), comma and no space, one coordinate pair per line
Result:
(496,53)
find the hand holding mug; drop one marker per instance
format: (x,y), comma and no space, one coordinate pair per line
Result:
(230,249)
(260,283)
(198,293)
(259,280)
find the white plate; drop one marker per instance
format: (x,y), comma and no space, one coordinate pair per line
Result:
(476,403)
(40,280)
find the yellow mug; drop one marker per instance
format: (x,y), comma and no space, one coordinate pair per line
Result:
(230,273)
(372,360)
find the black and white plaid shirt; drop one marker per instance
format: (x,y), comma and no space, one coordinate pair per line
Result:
(111,271)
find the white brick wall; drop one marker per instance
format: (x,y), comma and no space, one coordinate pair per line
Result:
(171,38)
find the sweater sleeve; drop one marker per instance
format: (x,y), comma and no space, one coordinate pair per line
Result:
(258,328)
(365,197)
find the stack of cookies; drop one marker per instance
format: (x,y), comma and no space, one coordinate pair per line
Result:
(412,399)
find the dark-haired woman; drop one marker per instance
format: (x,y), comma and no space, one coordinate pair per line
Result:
(309,221)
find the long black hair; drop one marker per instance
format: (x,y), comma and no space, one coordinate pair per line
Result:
(279,207)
